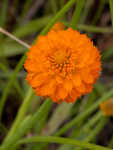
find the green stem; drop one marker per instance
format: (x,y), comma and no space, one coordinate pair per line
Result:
(96,130)
(58,15)
(100,88)
(111,9)
(107,54)
(85,113)
(98,12)
(56,120)
(54,6)
(32,26)
(88,127)
(92,121)
(3,128)
(16,84)
(9,84)
(52,139)
(82,131)
(3,12)
(36,25)
(39,127)
(25,9)
(19,75)
(86,11)
(61,2)
(77,14)
(11,140)
(90,100)
(21,113)
(111,142)
(89,28)
(26,125)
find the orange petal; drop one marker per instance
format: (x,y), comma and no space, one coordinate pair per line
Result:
(68,85)
(87,76)
(61,93)
(59,79)
(47,89)
(81,89)
(76,80)
(38,79)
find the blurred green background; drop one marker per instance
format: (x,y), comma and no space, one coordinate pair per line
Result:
(25,19)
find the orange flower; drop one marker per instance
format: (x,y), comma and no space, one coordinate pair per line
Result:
(107,107)
(63,65)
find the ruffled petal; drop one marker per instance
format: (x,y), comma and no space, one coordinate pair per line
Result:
(37,79)
(76,80)
(48,88)
(63,65)
(68,85)
(61,92)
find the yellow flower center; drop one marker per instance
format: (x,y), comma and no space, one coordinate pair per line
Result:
(60,56)
(61,61)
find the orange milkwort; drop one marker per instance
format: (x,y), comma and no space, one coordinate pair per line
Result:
(62,65)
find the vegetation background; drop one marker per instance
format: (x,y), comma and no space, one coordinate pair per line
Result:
(41,121)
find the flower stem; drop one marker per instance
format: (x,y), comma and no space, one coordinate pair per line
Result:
(90,28)
(111,142)
(53,4)
(3,14)
(58,15)
(16,84)
(111,8)
(52,139)
(92,135)
(77,14)
(92,121)
(9,84)
(21,113)
(97,129)
(85,113)
(26,125)
(98,12)
(86,11)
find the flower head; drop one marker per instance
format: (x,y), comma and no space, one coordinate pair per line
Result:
(107,107)
(63,65)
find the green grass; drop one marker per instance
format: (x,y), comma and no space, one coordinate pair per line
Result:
(81,122)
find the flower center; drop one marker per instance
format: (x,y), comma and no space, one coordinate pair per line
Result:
(61,61)
(60,57)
